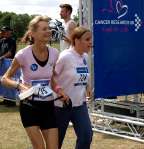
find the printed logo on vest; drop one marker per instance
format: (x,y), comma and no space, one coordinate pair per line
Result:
(34,67)
(84,61)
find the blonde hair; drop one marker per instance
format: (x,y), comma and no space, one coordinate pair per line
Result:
(78,32)
(27,38)
(33,25)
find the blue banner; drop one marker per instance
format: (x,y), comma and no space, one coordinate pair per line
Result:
(118,28)
(8,93)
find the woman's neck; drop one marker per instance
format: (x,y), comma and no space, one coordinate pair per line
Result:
(78,50)
(39,47)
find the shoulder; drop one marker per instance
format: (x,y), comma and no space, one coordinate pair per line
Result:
(72,24)
(54,50)
(66,52)
(71,21)
(53,54)
(64,58)
(66,55)
(24,51)
(23,55)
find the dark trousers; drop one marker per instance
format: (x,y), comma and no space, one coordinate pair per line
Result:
(81,123)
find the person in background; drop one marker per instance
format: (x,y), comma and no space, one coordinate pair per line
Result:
(7,50)
(7,43)
(68,24)
(37,62)
(72,74)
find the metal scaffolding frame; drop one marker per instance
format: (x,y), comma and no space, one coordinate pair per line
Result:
(115,124)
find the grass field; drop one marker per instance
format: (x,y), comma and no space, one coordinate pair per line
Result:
(13,136)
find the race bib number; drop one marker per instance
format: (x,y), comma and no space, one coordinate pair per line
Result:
(82,74)
(42,89)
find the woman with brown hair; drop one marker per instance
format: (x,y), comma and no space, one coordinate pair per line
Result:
(72,74)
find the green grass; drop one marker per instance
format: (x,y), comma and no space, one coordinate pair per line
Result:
(56,45)
(13,135)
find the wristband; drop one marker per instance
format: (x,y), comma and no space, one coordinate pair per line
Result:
(57,88)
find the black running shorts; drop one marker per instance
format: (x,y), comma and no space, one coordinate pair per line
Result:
(38,113)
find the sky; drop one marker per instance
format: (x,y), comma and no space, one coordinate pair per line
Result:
(43,7)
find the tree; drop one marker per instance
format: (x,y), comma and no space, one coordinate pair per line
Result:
(18,22)
(76,17)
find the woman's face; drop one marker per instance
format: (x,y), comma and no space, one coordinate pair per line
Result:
(42,33)
(85,42)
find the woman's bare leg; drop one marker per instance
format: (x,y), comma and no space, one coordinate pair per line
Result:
(51,138)
(36,137)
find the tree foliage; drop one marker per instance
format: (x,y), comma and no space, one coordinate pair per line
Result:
(76,17)
(17,22)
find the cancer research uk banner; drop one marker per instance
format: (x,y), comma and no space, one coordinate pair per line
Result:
(118,47)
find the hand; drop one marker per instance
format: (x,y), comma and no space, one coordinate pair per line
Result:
(61,93)
(67,104)
(88,94)
(25,91)
(23,87)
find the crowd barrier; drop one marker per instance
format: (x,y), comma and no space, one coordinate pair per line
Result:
(8,93)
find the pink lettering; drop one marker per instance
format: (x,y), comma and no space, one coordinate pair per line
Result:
(109,8)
